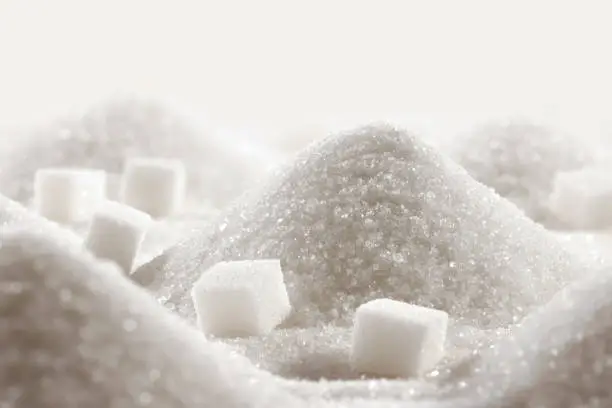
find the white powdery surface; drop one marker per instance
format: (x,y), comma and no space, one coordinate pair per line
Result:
(377,213)
(519,160)
(561,356)
(217,170)
(75,333)
(594,247)
(14,215)
(323,353)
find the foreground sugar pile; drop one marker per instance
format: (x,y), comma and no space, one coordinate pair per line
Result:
(520,160)
(561,356)
(109,133)
(376,213)
(75,333)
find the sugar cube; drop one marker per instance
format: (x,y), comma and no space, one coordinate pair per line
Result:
(241,298)
(583,198)
(68,195)
(397,339)
(153,185)
(116,232)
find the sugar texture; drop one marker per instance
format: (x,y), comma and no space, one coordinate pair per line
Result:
(520,160)
(593,247)
(15,216)
(242,298)
(68,195)
(582,199)
(559,356)
(110,132)
(396,339)
(116,233)
(155,186)
(376,213)
(81,335)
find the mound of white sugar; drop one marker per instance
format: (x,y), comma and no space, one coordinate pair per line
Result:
(561,356)
(520,160)
(75,333)
(111,132)
(376,213)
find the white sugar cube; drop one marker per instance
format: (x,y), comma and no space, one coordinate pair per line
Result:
(583,198)
(116,232)
(241,298)
(397,339)
(68,195)
(153,185)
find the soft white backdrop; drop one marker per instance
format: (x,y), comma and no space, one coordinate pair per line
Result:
(439,66)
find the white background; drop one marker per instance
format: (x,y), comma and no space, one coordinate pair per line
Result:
(436,65)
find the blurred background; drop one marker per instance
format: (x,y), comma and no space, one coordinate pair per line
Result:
(439,67)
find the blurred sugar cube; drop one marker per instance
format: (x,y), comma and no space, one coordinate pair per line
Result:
(116,233)
(397,339)
(583,198)
(241,298)
(68,195)
(154,185)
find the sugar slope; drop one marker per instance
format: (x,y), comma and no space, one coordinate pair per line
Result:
(75,333)
(377,213)
(561,356)
(520,160)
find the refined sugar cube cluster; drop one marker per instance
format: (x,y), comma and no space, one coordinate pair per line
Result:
(68,195)
(116,232)
(155,186)
(241,298)
(397,339)
(71,195)
(583,198)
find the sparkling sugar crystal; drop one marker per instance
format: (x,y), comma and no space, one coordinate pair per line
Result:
(376,213)
(76,333)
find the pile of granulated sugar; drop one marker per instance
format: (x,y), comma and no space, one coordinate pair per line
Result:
(306,355)
(377,213)
(561,356)
(519,160)
(76,333)
(14,215)
(111,132)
